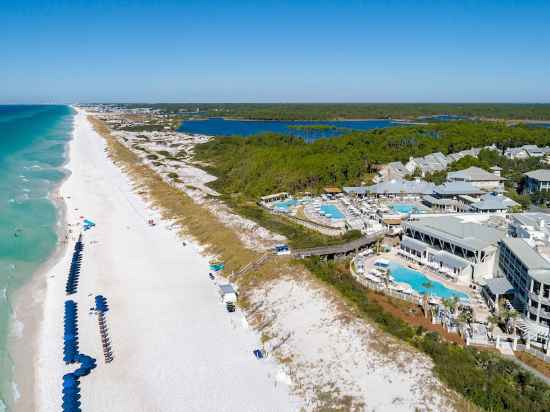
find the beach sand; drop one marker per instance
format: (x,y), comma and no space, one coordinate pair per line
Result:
(175,346)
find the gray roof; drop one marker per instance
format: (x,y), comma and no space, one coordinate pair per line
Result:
(474,174)
(398,167)
(538,267)
(540,174)
(492,201)
(398,186)
(533,150)
(227,288)
(504,199)
(499,286)
(414,244)
(532,219)
(451,260)
(358,190)
(440,202)
(457,188)
(472,236)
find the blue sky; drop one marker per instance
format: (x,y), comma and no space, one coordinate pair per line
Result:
(262,51)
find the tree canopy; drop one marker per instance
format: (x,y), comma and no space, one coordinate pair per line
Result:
(268,163)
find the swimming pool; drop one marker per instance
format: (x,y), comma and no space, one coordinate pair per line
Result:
(416,280)
(333,211)
(285,205)
(404,208)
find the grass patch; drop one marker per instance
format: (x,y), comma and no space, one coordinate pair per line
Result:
(486,379)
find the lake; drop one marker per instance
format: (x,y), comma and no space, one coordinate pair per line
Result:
(327,129)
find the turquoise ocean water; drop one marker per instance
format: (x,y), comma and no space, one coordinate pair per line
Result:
(32,152)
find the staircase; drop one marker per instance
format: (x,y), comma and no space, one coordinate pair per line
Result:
(252,265)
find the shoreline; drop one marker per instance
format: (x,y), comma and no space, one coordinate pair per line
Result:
(28,299)
(150,281)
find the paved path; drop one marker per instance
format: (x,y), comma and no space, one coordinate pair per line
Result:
(529,368)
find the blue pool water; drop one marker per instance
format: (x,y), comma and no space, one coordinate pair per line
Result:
(416,280)
(222,127)
(285,205)
(333,211)
(404,208)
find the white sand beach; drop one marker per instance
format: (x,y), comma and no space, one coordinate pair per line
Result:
(175,346)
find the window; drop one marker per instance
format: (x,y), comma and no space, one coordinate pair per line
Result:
(536,287)
(535,304)
(546,291)
(532,317)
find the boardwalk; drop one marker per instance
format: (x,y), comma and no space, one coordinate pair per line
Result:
(340,250)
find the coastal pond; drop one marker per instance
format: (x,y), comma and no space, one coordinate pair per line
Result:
(308,130)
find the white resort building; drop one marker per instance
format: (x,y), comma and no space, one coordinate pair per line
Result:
(478,177)
(462,249)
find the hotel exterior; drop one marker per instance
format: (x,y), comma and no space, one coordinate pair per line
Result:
(524,260)
(463,250)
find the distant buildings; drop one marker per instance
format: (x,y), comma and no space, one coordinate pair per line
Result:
(537,181)
(526,151)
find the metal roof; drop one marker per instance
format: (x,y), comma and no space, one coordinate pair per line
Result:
(440,202)
(358,190)
(451,260)
(540,174)
(537,266)
(532,219)
(457,188)
(398,186)
(475,174)
(471,236)
(414,244)
(490,204)
(499,286)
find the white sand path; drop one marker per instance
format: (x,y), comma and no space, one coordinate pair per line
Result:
(175,346)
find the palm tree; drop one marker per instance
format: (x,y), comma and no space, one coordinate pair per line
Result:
(493,321)
(428,285)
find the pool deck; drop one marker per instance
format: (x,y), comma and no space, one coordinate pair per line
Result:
(481,311)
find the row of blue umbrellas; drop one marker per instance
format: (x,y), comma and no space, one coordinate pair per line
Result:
(74,271)
(71,383)
(70,334)
(101,303)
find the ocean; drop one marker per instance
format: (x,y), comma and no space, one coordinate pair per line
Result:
(33,143)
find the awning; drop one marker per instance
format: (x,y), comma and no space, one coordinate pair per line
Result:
(451,260)
(413,244)
(499,286)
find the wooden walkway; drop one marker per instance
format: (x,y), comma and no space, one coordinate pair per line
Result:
(340,250)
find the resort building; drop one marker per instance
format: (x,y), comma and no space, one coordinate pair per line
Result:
(528,271)
(461,248)
(526,151)
(492,203)
(395,170)
(516,153)
(478,177)
(537,181)
(428,164)
(532,227)
(394,188)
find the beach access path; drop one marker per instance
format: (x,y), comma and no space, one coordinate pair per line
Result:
(175,346)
